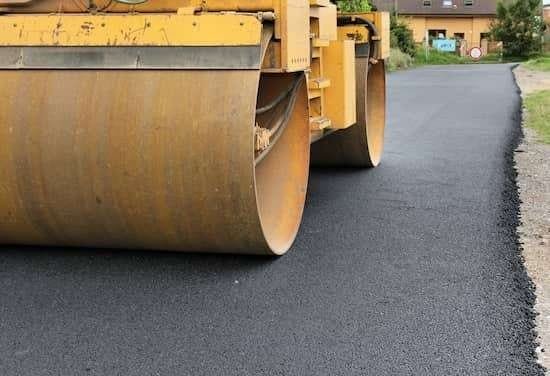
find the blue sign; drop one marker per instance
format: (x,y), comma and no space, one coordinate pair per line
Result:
(445,45)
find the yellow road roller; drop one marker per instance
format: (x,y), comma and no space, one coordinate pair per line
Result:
(180,125)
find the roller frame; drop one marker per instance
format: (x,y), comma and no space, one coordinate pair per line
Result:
(125,166)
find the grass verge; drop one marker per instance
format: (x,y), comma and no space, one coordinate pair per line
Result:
(435,57)
(399,60)
(538,114)
(541,64)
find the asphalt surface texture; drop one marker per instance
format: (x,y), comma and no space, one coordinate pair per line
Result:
(413,268)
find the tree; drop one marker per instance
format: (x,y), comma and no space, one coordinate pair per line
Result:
(519,27)
(354,6)
(401,36)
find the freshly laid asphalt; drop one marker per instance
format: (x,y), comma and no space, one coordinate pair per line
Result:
(409,269)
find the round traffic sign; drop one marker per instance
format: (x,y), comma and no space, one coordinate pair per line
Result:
(476,53)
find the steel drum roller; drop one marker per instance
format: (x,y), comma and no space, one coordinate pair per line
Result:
(148,159)
(362,144)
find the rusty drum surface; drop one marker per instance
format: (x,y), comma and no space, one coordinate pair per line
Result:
(147,159)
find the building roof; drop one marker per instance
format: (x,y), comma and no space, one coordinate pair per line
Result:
(438,7)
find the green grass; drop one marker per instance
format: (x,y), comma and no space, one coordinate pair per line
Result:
(538,114)
(399,60)
(541,64)
(435,57)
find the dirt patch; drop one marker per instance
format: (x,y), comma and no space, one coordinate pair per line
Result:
(530,81)
(533,164)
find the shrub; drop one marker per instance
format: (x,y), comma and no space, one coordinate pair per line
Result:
(399,60)
(354,6)
(435,57)
(401,36)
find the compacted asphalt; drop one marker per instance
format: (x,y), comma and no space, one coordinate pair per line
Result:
(409,269)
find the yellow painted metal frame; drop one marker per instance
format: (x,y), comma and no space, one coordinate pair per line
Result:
(210,29)
(382,22)
(151,6)
(340,97)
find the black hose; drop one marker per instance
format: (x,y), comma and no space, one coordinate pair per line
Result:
(271,105)
(354,20)
(282,122)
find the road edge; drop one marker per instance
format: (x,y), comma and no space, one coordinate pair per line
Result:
(512,206)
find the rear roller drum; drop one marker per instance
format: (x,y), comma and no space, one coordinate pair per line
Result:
(362,144)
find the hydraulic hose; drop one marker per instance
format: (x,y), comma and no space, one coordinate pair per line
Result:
(354,20)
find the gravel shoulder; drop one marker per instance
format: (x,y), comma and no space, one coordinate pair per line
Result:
(533,164)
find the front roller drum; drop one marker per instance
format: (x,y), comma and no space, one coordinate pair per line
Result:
(149,160)
(362,144)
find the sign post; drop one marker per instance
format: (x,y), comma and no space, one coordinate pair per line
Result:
(427,44)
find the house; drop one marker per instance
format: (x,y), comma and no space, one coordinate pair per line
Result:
(467,20)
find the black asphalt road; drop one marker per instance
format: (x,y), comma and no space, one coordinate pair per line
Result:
(409,269)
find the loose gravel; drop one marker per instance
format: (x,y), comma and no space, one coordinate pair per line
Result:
(533,165)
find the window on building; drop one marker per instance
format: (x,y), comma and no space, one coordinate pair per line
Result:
(427,3)
(459,36)
(468,3)
(447,3)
